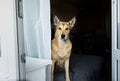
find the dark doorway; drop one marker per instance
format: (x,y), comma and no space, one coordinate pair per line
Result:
(92,32)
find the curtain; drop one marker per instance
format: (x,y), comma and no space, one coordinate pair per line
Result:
(37,31)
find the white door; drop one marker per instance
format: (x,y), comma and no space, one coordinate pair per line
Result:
(8,42)
(115,40)
(34,39)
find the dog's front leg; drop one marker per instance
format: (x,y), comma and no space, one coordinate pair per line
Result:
(52,70)
(67,70)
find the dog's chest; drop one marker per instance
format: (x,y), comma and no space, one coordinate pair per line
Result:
(64,50)
(61,50)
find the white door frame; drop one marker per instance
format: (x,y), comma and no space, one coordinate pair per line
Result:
(115,50)
(20,39)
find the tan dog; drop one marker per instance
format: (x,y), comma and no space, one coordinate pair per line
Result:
(61,46)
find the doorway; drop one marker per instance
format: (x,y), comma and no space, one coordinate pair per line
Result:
(92,32)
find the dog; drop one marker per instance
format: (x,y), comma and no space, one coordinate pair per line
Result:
(61,46)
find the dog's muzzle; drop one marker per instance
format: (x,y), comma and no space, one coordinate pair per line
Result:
(62,36)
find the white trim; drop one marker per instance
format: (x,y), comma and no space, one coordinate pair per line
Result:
(13,63)
(115,50)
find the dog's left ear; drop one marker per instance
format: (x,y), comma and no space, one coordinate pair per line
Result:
(72,22)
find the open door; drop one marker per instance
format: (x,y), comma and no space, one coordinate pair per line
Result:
(34,39)
(115,40)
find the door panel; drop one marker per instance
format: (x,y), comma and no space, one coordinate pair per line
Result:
(33,21)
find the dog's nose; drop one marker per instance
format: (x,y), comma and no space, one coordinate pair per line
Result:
(63,36)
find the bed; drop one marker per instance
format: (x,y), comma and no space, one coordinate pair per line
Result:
(83,68)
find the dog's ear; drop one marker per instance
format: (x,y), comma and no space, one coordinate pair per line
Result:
(56,20)
(72,22)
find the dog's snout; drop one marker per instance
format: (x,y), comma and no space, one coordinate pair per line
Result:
(63,36)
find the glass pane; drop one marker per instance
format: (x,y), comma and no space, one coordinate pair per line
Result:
(31,30)
(118,24)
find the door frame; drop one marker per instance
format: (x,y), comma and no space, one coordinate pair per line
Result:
(115,50)
(20,39)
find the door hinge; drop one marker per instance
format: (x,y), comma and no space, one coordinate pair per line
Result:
(20,8)
(23,58)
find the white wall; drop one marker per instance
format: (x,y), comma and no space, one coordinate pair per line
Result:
(9,60)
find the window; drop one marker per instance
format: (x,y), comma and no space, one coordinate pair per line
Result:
(36,23)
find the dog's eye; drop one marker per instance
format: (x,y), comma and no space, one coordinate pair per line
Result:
(66,28)
(59,28)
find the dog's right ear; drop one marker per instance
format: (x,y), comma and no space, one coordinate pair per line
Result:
(56,20)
